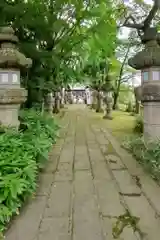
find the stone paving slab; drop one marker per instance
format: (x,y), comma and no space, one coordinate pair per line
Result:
(149,224)
(79,195)
(114,162)
(27,225)
(108,198)
(44,184)
(126,183)
(58,204)
(54,228)
(86,215)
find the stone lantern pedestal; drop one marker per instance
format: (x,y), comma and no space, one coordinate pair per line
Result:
(148,61)
(49,103)
(11,94)
(10,100)
(108,106)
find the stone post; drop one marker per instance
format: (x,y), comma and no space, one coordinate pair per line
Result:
(148,61)
(11,94)
(108,106)
(62,97)
(94,99)
(49,103)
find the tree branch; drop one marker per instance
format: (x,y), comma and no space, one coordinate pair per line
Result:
(146,23)
(134,25)
(151,14)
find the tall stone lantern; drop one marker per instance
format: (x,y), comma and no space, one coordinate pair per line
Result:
(11,94)
(148,61)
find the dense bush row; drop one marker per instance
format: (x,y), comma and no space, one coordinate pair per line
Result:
(21,155)
(147,153)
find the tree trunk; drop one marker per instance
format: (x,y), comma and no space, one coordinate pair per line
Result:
(56,106)
(119,81)
(70,97)
(115,101)
(34,99)
(94,100)
(137,94)
(62,100)
(48,103)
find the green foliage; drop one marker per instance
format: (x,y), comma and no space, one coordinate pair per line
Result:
(138,128)
(125,220)
(52,33)
(21,156)
(147,153)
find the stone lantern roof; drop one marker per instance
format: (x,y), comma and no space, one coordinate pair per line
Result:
(150,55)
(10,57)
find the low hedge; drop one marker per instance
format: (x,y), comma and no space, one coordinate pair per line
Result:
(21,155)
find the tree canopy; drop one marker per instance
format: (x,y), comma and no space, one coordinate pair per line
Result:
(56,33)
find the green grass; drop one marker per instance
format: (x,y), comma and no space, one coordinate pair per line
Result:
(121,125)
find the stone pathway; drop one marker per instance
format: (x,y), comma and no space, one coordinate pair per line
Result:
(89,185)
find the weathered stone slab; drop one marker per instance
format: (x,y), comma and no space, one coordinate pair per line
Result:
(86,214)
(149,223)
(27,224)
(83,184)
(101,139)
(54,228)
(44,185)
(132,165)
(64,172)
(81,150)
(67,155)
(100,170)
(126,183)
(58,204)
(89,229)
(51,166)
(108,198)
(81,162)
(81,158)
(151,190)
(96,154)
(114,161)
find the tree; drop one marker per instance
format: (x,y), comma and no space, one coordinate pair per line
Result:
(49,33)
(143,28)
(123,73)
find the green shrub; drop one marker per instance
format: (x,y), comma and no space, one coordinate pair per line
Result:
(148,154)
(21,156)
(139,125)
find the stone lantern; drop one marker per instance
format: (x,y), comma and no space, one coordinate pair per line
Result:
(108,105)
(148,61)
(11,94)
(107,99)
(49,103)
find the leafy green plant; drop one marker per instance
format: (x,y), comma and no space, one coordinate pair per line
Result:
(21,157)
(147,153)
(138,128)
(125,220)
